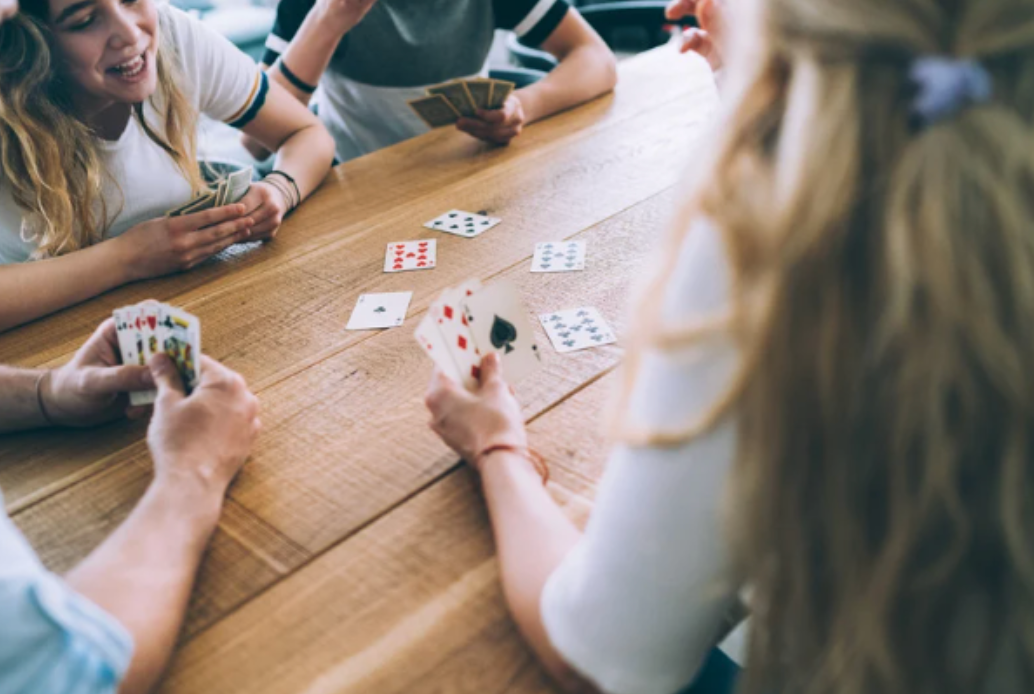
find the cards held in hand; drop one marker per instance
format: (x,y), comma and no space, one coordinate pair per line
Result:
(228,190)
(447,103)
(468,322)
(151,327)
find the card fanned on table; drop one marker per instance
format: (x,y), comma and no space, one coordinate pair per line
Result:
(227,191)
(577,328)
(150,327)
(378,311)
(470,321)
(465,224)
(448,102)
(559,256)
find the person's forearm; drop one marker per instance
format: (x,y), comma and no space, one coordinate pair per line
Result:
(306,156)
(19,405)
(143,573)
(584,74)
(532,537)
(34,289)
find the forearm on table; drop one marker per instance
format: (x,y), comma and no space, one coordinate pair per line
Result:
(19,405)
(142,575)
(585,73)
(532,537)
(34,289)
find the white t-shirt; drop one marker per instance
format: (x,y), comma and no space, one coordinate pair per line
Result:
(218,79)
(638,604)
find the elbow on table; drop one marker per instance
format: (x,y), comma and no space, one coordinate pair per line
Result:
(609,67)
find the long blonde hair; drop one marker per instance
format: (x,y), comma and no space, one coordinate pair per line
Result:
(49,157)
(882,504)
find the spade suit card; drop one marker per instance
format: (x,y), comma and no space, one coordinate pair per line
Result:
(577,328)
(411,255)
(375,311)
(466,224)
(499,323)
(559,256)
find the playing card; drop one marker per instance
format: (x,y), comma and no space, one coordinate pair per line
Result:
(128,343)
(458,95)
(433,343)
(237,185)
(179,336)
(145,322)
(480,91)
(465,224)
(500,91)
(449,317)
(559,256)
(575,329)
(379,311)
(435,110)
(411,255)
(499,323)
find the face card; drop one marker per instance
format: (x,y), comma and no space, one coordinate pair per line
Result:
(145,321)
(500,92)
(458,95)
(481,91)
(499,323)
(465,224)
(431,341)
(575,329)
(559,256)
(375,311)
(449,317)
(179,336)
(411,255)
(435,110)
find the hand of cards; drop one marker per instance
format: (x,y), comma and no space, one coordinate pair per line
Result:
(447,102)
(228,190)
(468,322)
(150,327)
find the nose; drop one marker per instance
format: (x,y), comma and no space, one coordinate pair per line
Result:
(125,29)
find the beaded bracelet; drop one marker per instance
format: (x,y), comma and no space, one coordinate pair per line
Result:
(532,456)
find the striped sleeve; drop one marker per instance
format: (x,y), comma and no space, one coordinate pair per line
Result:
(532,20)
(289,17)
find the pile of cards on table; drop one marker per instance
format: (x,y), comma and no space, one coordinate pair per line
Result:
(470,321)
(227,191)
(447,103)
(150,327)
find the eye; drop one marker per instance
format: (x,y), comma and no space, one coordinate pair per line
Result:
(81,23)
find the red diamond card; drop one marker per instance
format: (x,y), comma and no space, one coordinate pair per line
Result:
(411,255)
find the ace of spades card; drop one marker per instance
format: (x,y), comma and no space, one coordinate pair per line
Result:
(499,323)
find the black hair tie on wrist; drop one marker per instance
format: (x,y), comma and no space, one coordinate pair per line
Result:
(294,79)
(289,179)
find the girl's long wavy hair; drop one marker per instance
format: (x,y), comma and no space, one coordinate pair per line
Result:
(49,157)
(882,503)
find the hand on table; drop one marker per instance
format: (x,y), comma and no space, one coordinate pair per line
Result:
(498,125)
(706,39)
(171,244)
(266,206)
(207,436)
(471,422)
(91,388)
(8,8)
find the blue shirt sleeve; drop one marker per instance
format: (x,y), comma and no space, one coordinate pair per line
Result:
(52,640)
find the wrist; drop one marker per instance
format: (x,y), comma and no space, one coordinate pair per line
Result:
(124,258)
(195,494)
(184,507)
(514,463)
(529,103)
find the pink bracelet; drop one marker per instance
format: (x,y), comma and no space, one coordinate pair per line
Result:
(534,457)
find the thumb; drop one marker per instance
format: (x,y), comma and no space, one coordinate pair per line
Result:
(119,379)
(166,377)
(492,370)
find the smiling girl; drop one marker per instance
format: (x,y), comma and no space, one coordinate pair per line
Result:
(99,108)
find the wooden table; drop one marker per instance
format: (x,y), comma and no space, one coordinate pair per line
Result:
(354,554)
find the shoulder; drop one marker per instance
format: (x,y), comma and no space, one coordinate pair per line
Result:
(699,286)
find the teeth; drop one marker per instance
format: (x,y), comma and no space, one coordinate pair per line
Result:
(131,68)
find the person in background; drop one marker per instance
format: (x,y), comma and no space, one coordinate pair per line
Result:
(372,56)
(99,111)
(828,397)
(112,622)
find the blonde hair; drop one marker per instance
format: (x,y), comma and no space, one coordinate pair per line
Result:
(882,504)
(49,157)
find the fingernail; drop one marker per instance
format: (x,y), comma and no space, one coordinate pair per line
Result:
(147,378)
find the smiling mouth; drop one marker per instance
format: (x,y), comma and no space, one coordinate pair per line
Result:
(131,68)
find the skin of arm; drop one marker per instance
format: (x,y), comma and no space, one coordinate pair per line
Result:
(532,534)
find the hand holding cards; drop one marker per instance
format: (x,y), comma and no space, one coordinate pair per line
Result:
(227,191)
(468,322)
(447,103)
(151,327)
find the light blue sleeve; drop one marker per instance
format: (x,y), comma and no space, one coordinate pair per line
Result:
(52,640)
